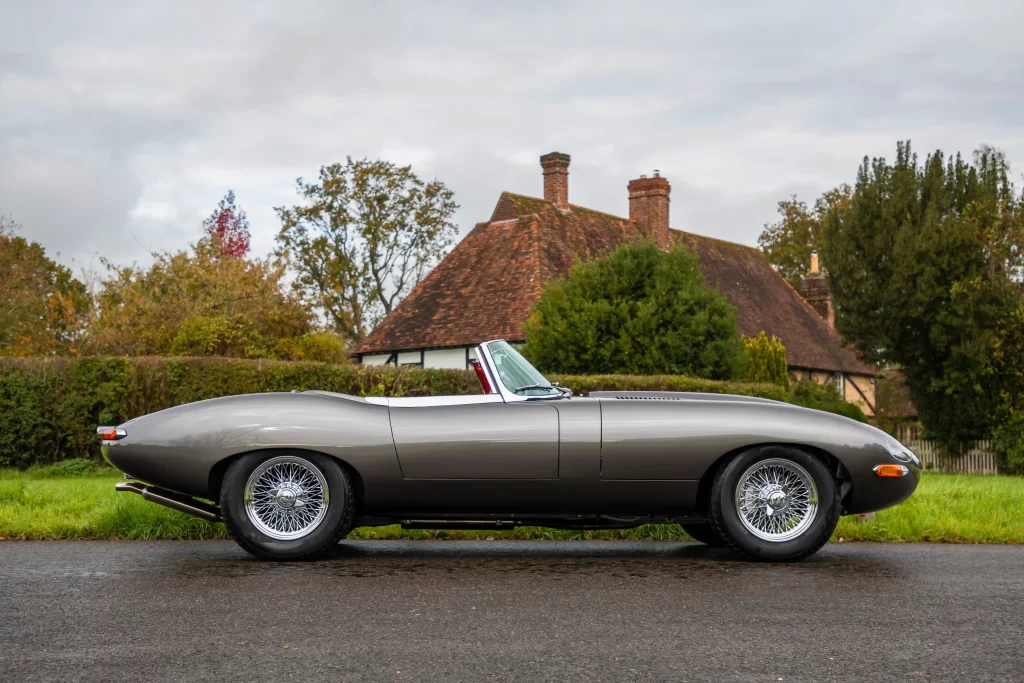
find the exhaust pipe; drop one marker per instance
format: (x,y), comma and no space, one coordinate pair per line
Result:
(175,501)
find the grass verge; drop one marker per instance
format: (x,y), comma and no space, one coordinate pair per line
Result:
(44,504)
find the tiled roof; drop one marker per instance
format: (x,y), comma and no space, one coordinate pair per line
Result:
(765,301)
(485,287)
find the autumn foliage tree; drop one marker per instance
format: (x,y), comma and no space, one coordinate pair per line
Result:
(228,228)
(43,308)
(199,303)
(365,233)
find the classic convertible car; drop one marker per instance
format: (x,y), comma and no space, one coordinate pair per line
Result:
(292,473)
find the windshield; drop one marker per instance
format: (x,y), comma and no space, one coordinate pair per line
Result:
(516,373)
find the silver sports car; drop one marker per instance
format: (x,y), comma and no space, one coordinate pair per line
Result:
(290,474)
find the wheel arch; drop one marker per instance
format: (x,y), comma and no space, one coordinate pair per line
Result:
(833,463)
(216,476)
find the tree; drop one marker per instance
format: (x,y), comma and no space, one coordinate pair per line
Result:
(1006,365)
(639,311)
(788,242)
(367,232)
(764,360)
(199,303)
(43,308)
(228,227)
(925,271)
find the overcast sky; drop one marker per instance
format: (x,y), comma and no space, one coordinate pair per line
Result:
(123,124)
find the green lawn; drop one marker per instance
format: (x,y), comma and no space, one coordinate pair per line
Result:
(39,505)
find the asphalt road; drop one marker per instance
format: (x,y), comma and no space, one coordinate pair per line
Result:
(481,611)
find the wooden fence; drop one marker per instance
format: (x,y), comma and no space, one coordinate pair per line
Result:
(975,457)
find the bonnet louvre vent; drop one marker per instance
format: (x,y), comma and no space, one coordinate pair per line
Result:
(649,398)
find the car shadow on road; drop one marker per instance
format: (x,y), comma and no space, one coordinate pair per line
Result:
(367,559)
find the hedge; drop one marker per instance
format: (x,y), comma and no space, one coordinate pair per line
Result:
(49,407)
(584,384)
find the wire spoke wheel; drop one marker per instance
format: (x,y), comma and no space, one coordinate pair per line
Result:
(776,500)
(286,497)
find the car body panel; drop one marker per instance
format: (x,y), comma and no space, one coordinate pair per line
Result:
(481,441)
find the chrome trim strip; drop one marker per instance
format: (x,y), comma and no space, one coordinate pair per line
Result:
(424,401)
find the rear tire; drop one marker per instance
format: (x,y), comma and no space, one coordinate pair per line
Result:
(775,504)
(704,533)
(286,505)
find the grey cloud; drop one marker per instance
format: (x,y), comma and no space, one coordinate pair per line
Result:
(124,125)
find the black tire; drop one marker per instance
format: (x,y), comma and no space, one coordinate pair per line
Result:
(725,517)
(704,533)
(335,523)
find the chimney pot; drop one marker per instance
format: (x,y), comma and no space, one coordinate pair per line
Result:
(556,178)
(816,291)
(648,206)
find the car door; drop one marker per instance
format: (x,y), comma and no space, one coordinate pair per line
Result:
(486,439)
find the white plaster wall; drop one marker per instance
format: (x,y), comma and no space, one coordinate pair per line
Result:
(450,359)
(376,359)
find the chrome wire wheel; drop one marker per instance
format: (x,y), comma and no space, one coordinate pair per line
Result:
(286,497)
(776,500)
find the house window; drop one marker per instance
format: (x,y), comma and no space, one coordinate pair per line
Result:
(410,358)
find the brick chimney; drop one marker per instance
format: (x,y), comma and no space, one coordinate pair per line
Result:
(556,178)
(817,292)
(648,206)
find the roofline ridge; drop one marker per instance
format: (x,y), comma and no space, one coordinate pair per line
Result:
(602,213)
(721,241)
(525,196)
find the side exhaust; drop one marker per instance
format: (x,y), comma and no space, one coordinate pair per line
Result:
(170,499)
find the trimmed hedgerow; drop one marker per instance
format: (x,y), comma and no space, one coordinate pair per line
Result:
(584,384)
(50,407)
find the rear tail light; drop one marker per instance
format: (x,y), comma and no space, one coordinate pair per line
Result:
(110,433)
(891,470)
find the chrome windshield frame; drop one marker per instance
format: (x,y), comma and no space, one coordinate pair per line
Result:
(509,396)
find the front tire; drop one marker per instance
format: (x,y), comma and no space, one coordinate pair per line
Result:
(286,505)
(775,504)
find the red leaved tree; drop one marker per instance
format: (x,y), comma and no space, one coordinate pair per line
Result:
(229,227)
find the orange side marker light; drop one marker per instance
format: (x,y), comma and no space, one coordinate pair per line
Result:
(891,470)
(110,433)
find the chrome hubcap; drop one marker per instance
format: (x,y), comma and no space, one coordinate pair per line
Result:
(286,498)
(776,500)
